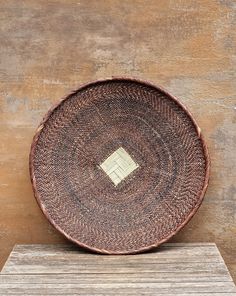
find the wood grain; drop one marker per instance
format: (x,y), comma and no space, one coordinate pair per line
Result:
(50,47)
(65,259)
(176,269)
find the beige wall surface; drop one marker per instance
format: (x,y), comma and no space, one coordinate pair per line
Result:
(49,47)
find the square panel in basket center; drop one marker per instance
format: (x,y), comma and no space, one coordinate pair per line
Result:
(119,165)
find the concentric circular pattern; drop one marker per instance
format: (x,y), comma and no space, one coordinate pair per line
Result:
(147,206)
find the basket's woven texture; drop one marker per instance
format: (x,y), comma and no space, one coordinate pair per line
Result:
(156,152)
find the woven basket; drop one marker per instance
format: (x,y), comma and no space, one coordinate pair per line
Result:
(119,166)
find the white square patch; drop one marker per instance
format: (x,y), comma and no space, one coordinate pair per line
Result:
(119,165)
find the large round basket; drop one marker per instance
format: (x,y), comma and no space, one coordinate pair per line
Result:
(119,166)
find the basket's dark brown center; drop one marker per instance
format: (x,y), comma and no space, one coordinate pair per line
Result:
(119,165)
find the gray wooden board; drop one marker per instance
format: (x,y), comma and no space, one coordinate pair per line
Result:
(173,269)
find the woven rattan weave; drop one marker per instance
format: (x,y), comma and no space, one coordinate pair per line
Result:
(119,166)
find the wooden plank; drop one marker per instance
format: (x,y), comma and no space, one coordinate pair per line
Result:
(68,259)
(77,267)
(173,269)
(116,288)
(154,277)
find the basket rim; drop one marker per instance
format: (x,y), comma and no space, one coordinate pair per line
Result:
(98,81)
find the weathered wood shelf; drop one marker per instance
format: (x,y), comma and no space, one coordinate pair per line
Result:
(173,269)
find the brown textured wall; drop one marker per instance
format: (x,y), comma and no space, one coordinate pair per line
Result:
(49,47)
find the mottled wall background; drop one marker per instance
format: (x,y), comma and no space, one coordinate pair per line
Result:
(49,47)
